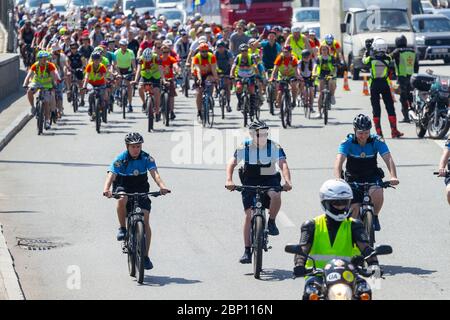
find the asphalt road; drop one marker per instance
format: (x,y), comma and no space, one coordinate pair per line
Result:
(51,189)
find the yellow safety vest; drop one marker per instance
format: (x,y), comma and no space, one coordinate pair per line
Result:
(44,78)
(153,71)
(297,47)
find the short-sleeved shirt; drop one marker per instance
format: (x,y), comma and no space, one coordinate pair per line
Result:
(96,77)
(146,44)
(124,61)
(236,40)
(270,53)
(263,159)
(223,61)
(447,144)
(75,60)
(286,66)
(50,67)
(362,160)
(205,65)
(168,66)
(132,173)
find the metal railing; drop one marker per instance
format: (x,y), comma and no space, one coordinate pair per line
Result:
(8,20)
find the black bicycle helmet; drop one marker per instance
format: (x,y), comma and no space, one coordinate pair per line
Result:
(401,42)
(134,138)
(258,125)
(362,122)
(96,56)
(306,53)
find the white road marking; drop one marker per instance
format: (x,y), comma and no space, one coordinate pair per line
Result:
(284,221)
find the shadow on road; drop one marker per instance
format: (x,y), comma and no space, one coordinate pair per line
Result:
(20,211)
(275,275)
(395,270)
(160,281)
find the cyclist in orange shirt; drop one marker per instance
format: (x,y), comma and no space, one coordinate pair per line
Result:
(169,63)
(205,68)
(95,76)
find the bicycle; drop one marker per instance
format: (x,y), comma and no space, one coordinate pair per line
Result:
(223,98)
(40,116)
(304,100)
(165,105)
(149,104)
(366,211)
(96,103)
(271,94)
(74,92)
(259,233)
(208,104)
(134,244)
(185,78)
(286,103)
(123,92)
(247,110)
(326,98)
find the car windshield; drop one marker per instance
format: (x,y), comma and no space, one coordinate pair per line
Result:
(60,7)
(433,25)
(445,13)
(36,3)
(84,3)
(167,1)
(307,16)
(383,20)
(139,4)
(105,3)
(172,15)
(427,5)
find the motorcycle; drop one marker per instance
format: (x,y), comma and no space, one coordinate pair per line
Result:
(340,278)
(429,109)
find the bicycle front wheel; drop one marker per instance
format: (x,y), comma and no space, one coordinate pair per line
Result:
(211,112)
(75,98)
(40,117)
(258,243)
(149,104)
(368,225)
(124,102)
(98,119)
(325,107)
(140,251)
(283,109)
(131,251)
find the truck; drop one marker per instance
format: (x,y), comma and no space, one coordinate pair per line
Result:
(354,21)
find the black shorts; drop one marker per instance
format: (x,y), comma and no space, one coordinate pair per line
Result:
(447,181)
(358,193)
(248,197)
(144,202)
(156,83)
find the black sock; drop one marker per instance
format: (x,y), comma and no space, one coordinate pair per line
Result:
(271,220)
(247,249)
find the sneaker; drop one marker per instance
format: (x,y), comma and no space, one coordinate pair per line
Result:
(158,117)
(69,96)
(273,230)
(121,234)
(148,265)
(48,125)
(33,111)
(376,223)
(246,258)
(172,115)
(82,103)
(130,108)
(396,134)
(333,100)
(228,109)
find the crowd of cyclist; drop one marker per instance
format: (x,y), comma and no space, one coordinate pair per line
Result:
(104,44)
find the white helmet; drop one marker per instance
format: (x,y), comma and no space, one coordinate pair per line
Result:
(379,45)
(296,29)
(336,191)
(147,54)
(167,42)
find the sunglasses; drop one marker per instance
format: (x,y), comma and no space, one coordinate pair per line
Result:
(166,51)
(204,51)
(158,47)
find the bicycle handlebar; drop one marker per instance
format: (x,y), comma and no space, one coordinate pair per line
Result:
(138,194)
(258,188)
(383,184)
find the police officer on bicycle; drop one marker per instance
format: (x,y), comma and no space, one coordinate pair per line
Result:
(129,173)
(260,155)
(360,150)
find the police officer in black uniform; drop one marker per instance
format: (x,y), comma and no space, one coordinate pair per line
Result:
(259,155)
(406,63)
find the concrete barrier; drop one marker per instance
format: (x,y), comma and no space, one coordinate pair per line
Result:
(9,71)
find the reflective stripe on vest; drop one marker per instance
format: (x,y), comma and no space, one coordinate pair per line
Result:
(44,78)
(406,63)
(322,250)
(297,47)
(200,59)
(153,71)
(378,70)
(283,71)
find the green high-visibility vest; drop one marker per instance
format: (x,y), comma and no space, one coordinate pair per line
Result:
(378,69)
(322,251)
(406,63)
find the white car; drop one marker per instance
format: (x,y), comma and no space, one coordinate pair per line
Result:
(312,26)
(34,4)
(301,16)
(79,3)
(140,5)
(427,7)
(161,4)
(60,6)
(172,15)
(105,3)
